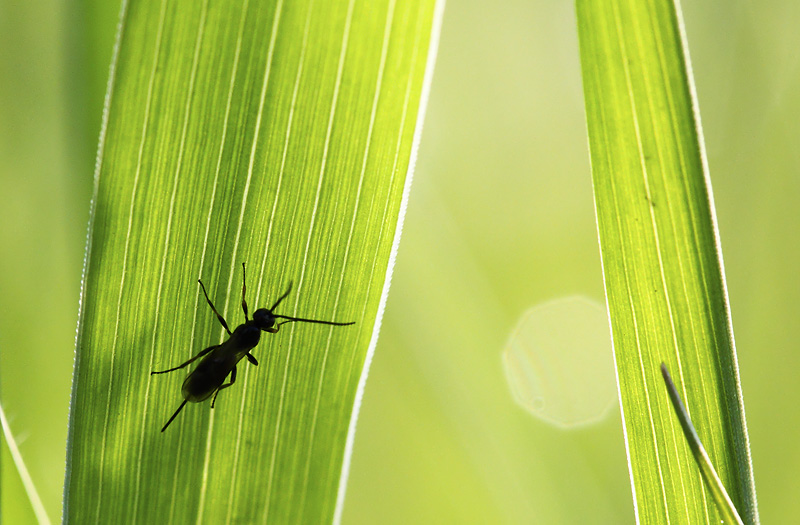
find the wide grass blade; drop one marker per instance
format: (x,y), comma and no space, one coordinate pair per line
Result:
(274,133)
(662,265)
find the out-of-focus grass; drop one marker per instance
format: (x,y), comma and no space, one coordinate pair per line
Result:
(504,161)
(478,149)
(45,180)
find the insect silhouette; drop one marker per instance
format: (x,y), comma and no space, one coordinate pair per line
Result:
(220,360)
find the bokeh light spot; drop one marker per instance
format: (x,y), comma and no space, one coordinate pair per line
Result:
(558,362)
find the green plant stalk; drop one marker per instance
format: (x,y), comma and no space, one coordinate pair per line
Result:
(662,265)
(274,133)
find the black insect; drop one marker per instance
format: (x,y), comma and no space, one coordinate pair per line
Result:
(220,360)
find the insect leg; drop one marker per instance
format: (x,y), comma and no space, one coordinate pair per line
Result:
(175,414)
(195,358)
(226,385)
(219,316)
(244,303)
(252,359)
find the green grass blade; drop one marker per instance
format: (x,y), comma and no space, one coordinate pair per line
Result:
(724,504)
(27,482)
(662,266)
(274,133)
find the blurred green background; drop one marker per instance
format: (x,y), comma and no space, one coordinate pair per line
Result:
(500,220)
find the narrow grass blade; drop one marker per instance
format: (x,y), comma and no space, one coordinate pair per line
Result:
(270,132)
(27,482)
(662,263)
(714,484)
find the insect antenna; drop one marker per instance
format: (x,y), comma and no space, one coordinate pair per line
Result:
(300,319)
(175,414)
(282,297)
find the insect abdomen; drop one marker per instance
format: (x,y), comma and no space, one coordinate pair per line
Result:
(205,379)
